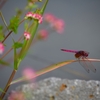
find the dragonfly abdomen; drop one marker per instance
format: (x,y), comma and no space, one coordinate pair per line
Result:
(72,51)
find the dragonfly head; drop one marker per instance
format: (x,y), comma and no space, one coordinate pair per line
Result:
(86,54)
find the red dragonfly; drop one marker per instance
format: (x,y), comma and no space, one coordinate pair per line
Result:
(83,55)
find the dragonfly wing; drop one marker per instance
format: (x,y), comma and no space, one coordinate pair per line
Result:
(91,67)
(84,65)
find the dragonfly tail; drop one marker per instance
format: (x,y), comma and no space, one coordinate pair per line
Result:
(72,51)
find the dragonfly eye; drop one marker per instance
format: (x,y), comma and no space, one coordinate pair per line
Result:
(86,54)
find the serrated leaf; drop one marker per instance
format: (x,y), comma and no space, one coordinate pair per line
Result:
(14,23)
(17,45)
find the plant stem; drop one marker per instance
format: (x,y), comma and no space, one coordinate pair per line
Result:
(8,84)
(7,36)
(2,4)
(4,21)
(6,53)
(10,49)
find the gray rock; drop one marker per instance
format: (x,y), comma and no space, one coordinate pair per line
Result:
(61,89)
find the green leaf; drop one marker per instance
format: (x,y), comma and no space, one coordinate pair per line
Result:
(32,4)
(1,27)
(34,1)
(14,23)
(4,63)
(43,8)
(27,43)
(2,36)
(19,12)
(1,90)
(16,58)
(17,45)
(30,7)
(15,55)
(32,30)
(46,70)
(26,25)
(51,68)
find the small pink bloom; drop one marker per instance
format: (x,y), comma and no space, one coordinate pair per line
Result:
(34,16)
(49,18)
(59,25)
(1,48)
(38,17)
(27,35)
(40,20)
(28,73)
(43,34)
(16,95)
(29,14)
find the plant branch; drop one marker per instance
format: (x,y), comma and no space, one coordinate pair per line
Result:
(10,49)
(8,84)
(2,4)
(7,36)
(4,21)
(11,32)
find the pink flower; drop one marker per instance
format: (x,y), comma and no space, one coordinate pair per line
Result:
(40,20)
(27,35)
(16,95)
(49,18)
(29,14)
(1,48)
(34,16)
(28,73)
(59,25)
(43,34)
(39,17)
